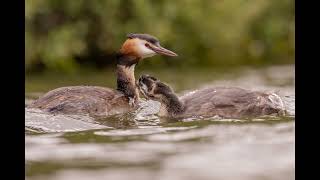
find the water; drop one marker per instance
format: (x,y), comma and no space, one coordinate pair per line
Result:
(140,145)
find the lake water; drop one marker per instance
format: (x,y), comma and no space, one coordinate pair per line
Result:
(143,146)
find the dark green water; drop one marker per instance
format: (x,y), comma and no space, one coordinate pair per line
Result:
(140,145)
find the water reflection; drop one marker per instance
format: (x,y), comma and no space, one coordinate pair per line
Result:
(225,151)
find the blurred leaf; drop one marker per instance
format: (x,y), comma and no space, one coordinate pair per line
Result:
(63,35)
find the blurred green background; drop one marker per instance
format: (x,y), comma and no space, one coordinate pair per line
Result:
(69,36)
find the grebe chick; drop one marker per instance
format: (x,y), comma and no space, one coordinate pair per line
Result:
(225,102)
(102,101)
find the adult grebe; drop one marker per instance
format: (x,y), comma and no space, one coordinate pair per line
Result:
(225,102)
(101,101)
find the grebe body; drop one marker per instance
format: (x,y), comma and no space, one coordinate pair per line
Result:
(102,101)
(225,102)
(92,100)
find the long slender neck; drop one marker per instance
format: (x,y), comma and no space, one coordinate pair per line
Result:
(171,105)
(125,76)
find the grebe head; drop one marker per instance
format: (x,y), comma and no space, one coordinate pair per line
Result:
(143,46)
(152,88)
(135,48)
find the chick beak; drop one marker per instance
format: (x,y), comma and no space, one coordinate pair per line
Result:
(161,50)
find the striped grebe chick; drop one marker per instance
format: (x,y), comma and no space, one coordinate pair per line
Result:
(225,102)
(103,101)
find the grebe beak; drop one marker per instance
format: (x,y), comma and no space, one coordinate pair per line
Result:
(161,50)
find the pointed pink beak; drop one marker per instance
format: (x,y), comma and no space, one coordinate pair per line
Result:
(161,50)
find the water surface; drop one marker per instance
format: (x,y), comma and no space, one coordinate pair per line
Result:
(143,146)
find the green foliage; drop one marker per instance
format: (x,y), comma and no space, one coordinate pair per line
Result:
(61,35)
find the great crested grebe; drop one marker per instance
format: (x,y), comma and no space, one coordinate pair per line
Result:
(102,101)
(225,102)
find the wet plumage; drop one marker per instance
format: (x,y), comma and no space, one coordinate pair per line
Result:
(225,102)
(231,102)
(92,100)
